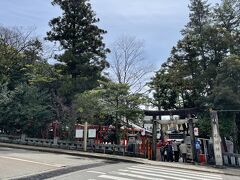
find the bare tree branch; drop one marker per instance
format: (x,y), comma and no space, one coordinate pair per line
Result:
(128,63)
(17,38)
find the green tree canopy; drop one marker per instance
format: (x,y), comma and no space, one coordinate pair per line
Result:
(202,69)
(227,88)
(84,55)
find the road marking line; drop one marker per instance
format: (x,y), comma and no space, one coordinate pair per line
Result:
(29,161)
(124,170)
(96,172)
(179,174)
(170,176)
(198,174)
(176,170)
(114,177)
(137,176)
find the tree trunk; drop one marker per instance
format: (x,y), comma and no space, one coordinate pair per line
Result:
(235,133)
(237,121)
(117,122)
(118,135)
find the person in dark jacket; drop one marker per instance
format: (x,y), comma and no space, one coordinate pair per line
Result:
(165,153)
(169,152)
(162,149)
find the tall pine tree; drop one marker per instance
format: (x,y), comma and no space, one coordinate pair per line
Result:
(81,39)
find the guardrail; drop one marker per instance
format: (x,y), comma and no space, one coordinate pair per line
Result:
(10,138)
(73,145)
(230,159)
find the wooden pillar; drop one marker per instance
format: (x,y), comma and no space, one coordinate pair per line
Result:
(192,137)
(85,136)
(154,138)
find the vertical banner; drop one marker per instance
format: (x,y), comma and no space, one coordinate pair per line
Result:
(216,139)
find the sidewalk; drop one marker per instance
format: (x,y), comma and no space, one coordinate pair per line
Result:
(209,169)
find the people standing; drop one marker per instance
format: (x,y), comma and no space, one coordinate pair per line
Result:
(198,150)
(169,152)
(165,153)
(162,149)
(183,150)
(175,150)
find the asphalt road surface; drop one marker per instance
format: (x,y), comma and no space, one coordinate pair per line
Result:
(27,165)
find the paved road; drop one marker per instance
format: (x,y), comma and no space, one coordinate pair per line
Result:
(24,164)
(129,171)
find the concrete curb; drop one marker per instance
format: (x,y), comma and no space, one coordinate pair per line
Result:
(224,170)
(73,153)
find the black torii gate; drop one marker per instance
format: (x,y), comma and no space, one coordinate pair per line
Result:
(186,113)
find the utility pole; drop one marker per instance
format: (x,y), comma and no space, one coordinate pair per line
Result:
(192,137)
(154,138)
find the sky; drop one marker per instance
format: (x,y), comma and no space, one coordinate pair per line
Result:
(157,22)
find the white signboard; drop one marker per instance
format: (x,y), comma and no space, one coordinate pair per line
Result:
(148,127)
(196,132)
(92,133)
(79,133)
